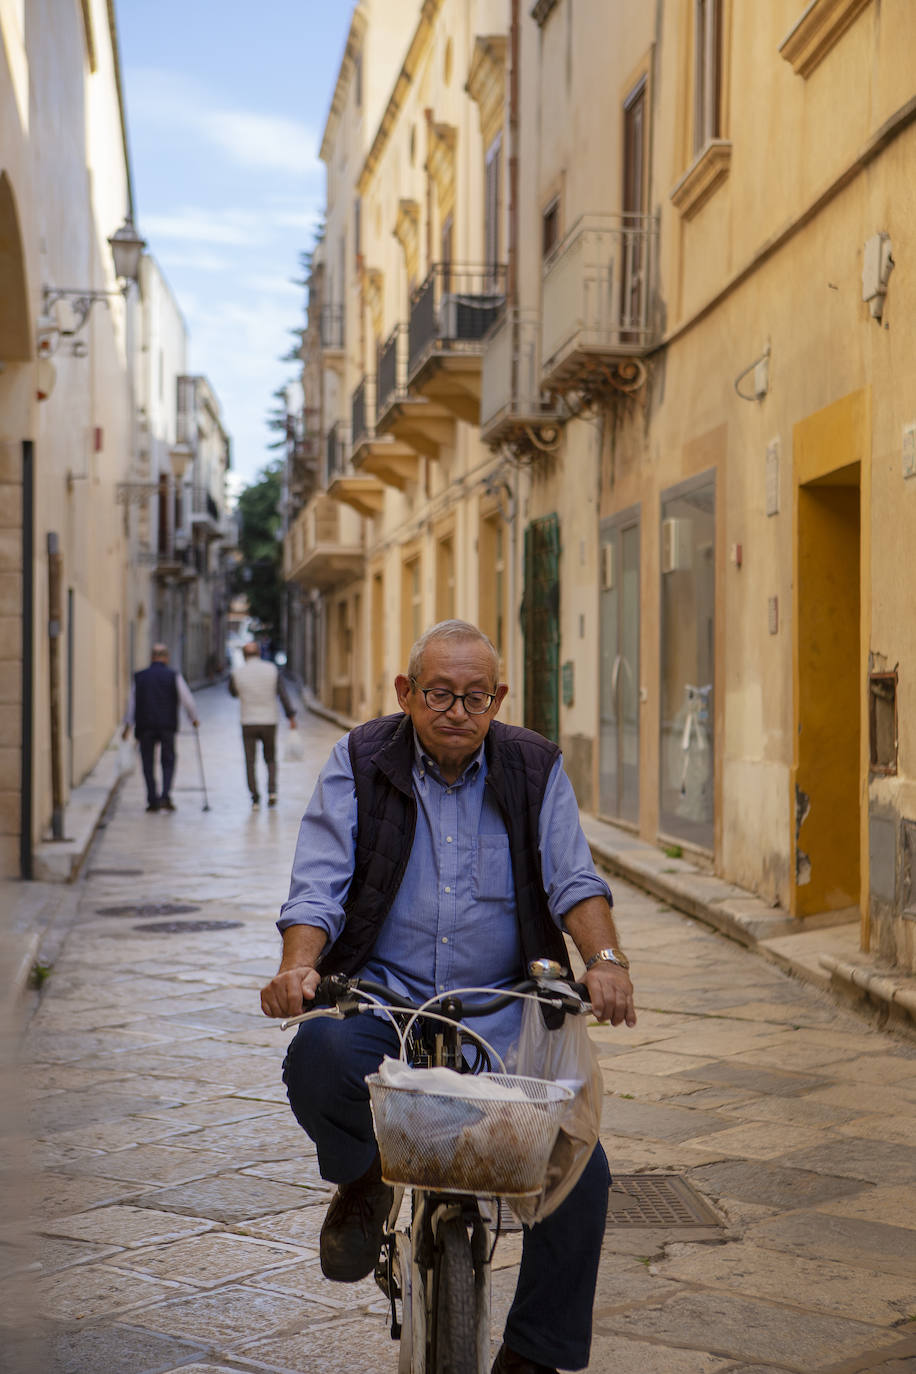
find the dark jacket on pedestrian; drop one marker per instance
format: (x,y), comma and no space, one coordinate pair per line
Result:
(156,699)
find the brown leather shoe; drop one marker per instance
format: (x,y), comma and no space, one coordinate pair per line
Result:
(508,1362)
(351,1236)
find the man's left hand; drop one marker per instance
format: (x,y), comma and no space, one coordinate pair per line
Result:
(611,994)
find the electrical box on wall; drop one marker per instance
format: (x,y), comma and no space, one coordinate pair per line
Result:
(607,567)
(877,265)
(676,545)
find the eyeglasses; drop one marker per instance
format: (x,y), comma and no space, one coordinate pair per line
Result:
(441,699)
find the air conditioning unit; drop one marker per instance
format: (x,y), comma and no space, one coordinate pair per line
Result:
(677,545)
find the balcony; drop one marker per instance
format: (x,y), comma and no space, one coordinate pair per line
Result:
(204,513)
(596,305)
(315,553)
(450,315)
(513,409)
(331,334)
(422,425)
(363,492)
(380,456)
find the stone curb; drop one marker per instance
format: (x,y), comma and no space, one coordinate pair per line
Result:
(749,920)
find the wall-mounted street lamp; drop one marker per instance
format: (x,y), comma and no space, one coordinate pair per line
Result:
(126,249)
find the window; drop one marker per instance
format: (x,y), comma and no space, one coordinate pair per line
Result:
(492,212)
(632,281)
(707,72)
(358,80)
(493,583)
(411,606)
(357,228)
(550,228)
(445,253)
(445,579)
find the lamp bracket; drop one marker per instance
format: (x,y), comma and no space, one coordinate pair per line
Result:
(82,302)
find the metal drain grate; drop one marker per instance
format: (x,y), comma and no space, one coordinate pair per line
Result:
(186,927)
(657,1200)
(147,909)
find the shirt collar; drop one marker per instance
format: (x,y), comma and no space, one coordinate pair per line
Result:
(426,764)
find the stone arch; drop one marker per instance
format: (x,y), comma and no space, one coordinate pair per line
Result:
(15,325)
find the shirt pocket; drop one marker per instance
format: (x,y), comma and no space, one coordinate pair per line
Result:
(491,880)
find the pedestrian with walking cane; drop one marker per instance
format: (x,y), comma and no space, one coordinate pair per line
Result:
(257,684)
(152,710)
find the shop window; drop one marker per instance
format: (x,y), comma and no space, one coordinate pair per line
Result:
(686,745)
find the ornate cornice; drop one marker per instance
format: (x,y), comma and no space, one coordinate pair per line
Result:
(702,177)
(486,83)
(407,232)
(351,50)
(810,39)
(440,159)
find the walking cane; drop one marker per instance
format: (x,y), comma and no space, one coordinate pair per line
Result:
(200,759)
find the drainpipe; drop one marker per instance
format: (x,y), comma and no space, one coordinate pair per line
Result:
(55,616)
(28,639)
(515,344)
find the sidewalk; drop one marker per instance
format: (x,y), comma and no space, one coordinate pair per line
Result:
(817,950)
(162,1206)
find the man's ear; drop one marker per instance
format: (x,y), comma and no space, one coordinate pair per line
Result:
(501,691)
(402,687)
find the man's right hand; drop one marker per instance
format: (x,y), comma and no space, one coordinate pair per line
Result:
(288,991)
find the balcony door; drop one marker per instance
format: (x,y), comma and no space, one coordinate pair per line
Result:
(618,769)
(632,275)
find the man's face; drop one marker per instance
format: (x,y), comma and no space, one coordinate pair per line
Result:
(451,737)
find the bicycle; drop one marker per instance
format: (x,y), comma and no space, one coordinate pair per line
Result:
(436,1268)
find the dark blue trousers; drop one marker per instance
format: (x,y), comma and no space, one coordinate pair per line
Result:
(550,1321)
(148,739)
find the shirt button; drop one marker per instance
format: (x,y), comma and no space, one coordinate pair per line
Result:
(448,889)
(445,939)
(448,839)
(448,791)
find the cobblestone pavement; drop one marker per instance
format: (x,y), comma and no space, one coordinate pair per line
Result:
(163,1207)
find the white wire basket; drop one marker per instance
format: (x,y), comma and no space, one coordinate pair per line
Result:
(497,1147)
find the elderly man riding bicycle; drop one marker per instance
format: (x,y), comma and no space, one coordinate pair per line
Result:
(441,848)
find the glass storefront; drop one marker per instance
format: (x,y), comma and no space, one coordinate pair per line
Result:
(686,751)
(618,773)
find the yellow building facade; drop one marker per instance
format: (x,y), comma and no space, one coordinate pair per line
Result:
(633,293)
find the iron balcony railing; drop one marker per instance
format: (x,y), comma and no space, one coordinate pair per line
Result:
(391,371)
(453,309)
(597,286)
(337,453)
(362,412)
(332,328)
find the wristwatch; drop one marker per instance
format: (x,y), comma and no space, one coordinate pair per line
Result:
(608,956)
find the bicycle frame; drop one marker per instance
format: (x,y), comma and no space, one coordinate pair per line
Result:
(413,1264)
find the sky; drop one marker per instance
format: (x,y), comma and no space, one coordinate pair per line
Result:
(226,104)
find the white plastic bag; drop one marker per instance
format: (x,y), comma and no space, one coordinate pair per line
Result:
(293,747)
(125,757)
(565,1055)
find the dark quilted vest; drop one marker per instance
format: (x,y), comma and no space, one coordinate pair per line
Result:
(381,753)
(156,701)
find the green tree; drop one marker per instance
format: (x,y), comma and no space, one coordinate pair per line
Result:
(260,573)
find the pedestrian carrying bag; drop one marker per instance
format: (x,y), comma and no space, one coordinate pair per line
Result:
(564,1055)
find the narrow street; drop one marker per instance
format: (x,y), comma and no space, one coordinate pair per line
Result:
(169,1206)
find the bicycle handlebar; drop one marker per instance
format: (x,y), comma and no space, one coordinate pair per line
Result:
(338,992)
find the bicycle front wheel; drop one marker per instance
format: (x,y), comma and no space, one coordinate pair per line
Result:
(454,1317)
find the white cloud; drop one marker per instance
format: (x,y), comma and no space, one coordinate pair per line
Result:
(250,138)
(191,225)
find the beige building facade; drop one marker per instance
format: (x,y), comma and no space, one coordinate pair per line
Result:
(630,358)
(84,420)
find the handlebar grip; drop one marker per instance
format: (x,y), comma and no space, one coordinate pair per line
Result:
(330,990)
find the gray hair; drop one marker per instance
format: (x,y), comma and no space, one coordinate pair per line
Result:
(449,629)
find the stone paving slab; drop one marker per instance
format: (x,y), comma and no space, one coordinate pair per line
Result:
(818,1235)
(126,1226)
(870,1294)
(226,1198)
(70,1350)
(772,1185)
(211,1259)
(749,1329)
